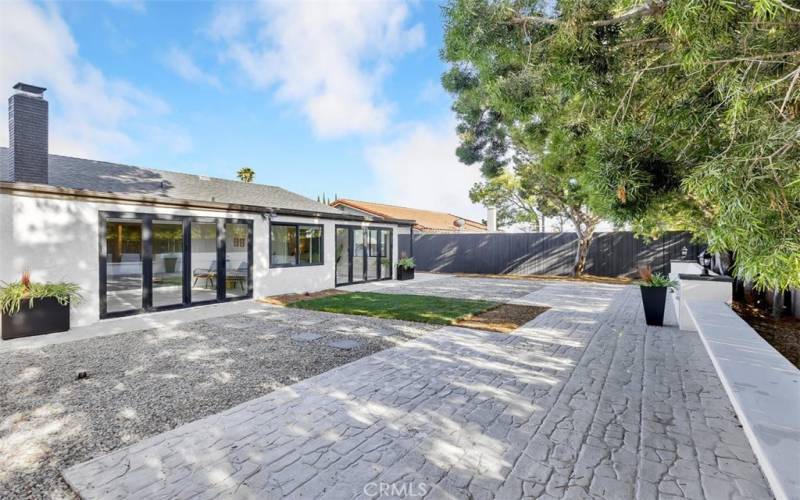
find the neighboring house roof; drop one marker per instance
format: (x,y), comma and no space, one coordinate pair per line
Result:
(78,173)
(427,220)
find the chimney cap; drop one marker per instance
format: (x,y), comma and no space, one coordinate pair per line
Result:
(30,89)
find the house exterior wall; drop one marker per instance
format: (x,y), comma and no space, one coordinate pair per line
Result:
(56,239)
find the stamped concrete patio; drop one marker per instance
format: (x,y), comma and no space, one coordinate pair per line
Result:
(584,401)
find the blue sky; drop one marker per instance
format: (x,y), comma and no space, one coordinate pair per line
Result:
(334,97)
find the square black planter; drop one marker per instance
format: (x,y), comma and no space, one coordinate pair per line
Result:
(46,316)
(654,298)
(405,273)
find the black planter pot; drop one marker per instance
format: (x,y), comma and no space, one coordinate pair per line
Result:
(654,298)
(169,264)
(405,273)
(46,316)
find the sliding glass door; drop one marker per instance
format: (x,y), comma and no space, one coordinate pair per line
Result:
(237,260)
(150,263)
(167,263)
(363,254)
(205,270)
(342,255)
(359,256)
(123,266)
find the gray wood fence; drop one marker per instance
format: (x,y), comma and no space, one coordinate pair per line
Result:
(611,254)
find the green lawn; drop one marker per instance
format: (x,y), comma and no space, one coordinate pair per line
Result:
(420,308)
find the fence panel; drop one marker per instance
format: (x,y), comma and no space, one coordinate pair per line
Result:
(611,254)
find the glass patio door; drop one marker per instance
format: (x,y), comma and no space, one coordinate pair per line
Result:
(359,255)
(205,268)
(363,254)
(237,274)
(342,255)
(152,262)
(168,282)
(386,254)
(124,273)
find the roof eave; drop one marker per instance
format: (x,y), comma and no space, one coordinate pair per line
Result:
(45,190)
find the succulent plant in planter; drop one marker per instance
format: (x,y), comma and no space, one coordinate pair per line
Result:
(405,268)
(654,288)
(29,308)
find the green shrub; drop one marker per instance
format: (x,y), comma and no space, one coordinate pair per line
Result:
(406,263)
(657,280)
(12,294)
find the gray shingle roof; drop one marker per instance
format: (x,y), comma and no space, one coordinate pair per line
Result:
(78,173)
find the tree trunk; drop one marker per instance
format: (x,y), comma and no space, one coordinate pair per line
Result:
(777,303)
(584,241)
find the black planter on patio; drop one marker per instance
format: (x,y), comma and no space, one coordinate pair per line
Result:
(654,298)
(46,316)
(404,273)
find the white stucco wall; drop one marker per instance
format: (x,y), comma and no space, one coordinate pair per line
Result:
(56,239)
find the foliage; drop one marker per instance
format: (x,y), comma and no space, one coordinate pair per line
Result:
(406,263)
(420,308)
(531,146)
(659,280)
(504,192)
(651,279)
(13,294)
(668,114)
(246,174)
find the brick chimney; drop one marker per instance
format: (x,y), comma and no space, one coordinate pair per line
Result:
(27,135)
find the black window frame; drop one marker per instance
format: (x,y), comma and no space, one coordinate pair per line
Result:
(297,226)
(146,220)
(365,254)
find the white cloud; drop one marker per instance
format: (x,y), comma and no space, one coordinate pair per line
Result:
(327,58)
(91,115)
(182,64)
(431,92)
(134,5)
(420,169)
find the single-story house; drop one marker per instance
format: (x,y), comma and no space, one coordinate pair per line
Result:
(138,239)
(426,221)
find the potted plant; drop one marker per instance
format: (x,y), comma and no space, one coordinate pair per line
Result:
(654,295)
(29,309)
(405,268)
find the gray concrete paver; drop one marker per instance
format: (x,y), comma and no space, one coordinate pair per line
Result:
(583,402)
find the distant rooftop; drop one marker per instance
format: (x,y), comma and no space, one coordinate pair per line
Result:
(427,220)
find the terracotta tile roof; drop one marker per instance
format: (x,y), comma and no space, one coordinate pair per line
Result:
(427,220)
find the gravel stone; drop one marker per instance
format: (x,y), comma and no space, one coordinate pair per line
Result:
(344,344)
(144,383)
(306,337)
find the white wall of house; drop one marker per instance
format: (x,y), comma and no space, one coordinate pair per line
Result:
(309,278)
(56,239)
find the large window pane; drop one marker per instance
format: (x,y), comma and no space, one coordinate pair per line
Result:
(310,245)
(359,249)
(342,255)
(283,245)
(123,265)
(204,261)
(372,254)
(167,263)
(386,254)
(236,255)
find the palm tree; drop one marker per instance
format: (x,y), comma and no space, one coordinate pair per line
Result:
(246,174)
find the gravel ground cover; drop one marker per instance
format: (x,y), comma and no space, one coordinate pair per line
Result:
(144,383)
